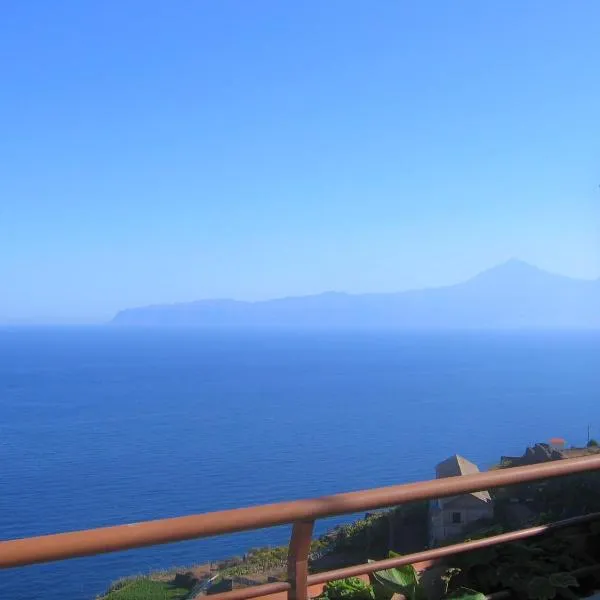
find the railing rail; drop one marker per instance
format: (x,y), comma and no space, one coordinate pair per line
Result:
(302,514)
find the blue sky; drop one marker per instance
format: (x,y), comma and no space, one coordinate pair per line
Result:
(170,151)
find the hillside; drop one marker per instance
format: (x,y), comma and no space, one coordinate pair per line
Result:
(404,529)
(512,295)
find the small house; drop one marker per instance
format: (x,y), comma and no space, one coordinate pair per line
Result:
(449,516)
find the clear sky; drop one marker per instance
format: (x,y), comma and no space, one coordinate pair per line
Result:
(170,151)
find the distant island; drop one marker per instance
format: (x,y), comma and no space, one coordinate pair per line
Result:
(513,295)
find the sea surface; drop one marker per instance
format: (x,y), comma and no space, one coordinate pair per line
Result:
(103,426)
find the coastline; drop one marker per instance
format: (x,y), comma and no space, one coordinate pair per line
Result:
(405,529)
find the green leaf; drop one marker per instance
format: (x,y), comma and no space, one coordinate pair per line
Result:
(563,580)
(540,588)
(351,588)
(399,580)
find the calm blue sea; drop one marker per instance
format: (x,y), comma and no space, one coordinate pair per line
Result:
(102,426)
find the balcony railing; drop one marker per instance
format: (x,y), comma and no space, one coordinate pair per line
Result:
(302,515)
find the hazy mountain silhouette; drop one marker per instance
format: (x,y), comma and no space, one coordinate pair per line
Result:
(511,295)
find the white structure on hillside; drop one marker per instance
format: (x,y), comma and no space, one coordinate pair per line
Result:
(448,516)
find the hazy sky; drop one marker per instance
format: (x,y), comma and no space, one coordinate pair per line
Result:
(170,151)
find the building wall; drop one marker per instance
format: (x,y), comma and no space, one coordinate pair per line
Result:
(442,525)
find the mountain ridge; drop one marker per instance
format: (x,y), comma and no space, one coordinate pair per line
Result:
(513,294)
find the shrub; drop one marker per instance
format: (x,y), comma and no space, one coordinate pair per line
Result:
(145,588)
(351,588)
(406,581)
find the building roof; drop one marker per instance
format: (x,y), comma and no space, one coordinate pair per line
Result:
(558,441)
(458,465)
(455,465)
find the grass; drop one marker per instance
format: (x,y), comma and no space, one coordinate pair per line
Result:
(145,588)
(368,535)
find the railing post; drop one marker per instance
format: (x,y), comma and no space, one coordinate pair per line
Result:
(298,559)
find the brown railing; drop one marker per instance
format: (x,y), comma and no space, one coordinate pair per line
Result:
(302,515)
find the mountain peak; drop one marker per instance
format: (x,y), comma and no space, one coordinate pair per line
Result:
(516,274)
(513,268)
(510,295)
(516,265)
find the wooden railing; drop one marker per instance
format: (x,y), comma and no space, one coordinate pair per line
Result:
(302,515)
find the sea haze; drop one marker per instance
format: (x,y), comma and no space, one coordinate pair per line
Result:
(108,425)
(513,295)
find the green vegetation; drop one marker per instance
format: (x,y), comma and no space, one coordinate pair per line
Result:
(568,496)
(144,588)
(406,581)
(401,580)
(555,566)
(358,540)
(370,537)
(258,560)
(361,535)
(364,537)
(351,588)
(593,443)
(538,569)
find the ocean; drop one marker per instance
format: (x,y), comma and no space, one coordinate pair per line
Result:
(103,426)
